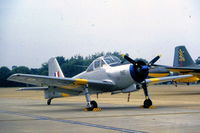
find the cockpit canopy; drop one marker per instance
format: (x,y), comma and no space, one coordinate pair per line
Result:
(104,60)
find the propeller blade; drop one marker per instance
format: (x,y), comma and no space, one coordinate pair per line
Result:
(154,60)
(129,59)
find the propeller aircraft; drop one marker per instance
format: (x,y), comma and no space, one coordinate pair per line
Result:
(103,75)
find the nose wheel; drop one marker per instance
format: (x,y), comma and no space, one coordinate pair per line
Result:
(147,103)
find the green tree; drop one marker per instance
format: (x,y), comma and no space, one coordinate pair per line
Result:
(4,74)
(44,69)
(61,60)
(21,69)
(73,66)
(35,71)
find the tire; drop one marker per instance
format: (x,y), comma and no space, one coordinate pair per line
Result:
(147,103)
(94,104)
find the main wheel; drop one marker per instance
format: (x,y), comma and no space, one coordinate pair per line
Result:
(94,107)
(147,103)
(94,104)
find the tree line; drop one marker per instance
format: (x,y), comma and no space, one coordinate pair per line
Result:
(70,67)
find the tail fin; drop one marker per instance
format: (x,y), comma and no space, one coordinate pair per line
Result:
(182,58)
(54,68)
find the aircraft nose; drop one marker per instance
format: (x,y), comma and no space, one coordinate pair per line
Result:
(145,68)
(139,74)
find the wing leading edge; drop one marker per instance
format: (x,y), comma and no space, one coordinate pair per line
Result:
(164,79)
(66,83)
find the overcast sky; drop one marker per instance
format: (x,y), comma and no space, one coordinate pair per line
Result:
(32,31)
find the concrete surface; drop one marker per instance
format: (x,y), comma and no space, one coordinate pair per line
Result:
(177,110)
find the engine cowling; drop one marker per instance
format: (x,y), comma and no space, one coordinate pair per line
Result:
(139,71)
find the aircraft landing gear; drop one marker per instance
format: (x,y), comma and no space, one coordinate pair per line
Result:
(49,101)
(147,101)
(91,105)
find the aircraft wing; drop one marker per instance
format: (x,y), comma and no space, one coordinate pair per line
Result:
(67,83)
(164,79)
(181,69)
(191,70)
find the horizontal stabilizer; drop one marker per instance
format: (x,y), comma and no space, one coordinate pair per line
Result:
(32,89)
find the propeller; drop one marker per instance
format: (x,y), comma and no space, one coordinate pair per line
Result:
(140,69)
(154,60)
(129,59)
(140,66)
(139,72)
(135,63)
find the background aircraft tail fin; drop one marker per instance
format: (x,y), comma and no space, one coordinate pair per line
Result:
(54,68)
(182,58)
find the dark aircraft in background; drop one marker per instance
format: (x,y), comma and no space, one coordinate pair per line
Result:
(184,64)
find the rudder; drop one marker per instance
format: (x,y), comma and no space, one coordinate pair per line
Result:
(182,58)
(54,68)
(55,71)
